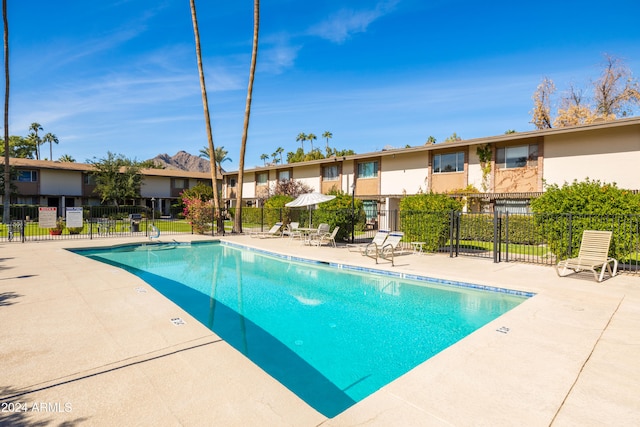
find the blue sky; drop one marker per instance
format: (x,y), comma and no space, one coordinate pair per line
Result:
(121,75)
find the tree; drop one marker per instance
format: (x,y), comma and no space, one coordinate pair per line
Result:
(301,138)
(66,158)
(279,151)
(118,178)
(431,140)
(274,157)
(18,147)
(264,158)
(541,114)
(205,106)
(237,223)
(6,172)
(35,139)
(51,139)
(453,138)
(616,92)
(327,135)
(311,137)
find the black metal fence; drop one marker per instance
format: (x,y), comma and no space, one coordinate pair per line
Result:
(97,222)
(499,236)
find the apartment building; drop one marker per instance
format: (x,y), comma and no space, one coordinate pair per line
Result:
(516,169)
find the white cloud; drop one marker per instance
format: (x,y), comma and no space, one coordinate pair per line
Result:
(346,22)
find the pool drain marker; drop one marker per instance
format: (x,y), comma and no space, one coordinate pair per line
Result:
(178,321)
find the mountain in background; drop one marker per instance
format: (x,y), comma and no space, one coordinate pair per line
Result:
(182,161)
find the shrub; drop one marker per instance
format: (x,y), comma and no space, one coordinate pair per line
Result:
(562,213)
(337,213)
(426,218)
(199,214)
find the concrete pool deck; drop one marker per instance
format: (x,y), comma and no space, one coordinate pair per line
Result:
(85,343)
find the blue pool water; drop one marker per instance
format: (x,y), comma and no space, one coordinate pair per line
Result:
(331,335)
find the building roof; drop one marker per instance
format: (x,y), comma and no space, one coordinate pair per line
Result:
(463,143)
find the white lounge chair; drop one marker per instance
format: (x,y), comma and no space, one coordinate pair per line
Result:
(274,231)
(387,250)
(326,238)
(593,255)
(378,240)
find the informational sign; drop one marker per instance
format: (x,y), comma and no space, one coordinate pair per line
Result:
(74,217)
(47,217)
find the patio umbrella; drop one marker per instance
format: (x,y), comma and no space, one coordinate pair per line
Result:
(309,199)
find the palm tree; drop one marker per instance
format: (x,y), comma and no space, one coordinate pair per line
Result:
(207,118)
(311,137)
(327,135)
(274,156)
(66,158)
(264,158)
(221,156)
(7,176)
(237,223)
(280,150)
(35,127)
(301,138)
(51,139)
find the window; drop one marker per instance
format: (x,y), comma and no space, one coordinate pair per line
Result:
(232,182)
(284,175)
(452,162)
(180,183)
(368,170)
(89,179)
(330,173)
(27,176)
(517,157)
(261,178)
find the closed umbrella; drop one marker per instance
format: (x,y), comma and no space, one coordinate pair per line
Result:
(309,199)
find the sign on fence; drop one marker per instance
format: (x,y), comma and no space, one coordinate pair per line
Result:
(47,217)
(74,217)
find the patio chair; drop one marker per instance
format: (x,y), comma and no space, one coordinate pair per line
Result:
(274,231)
(314,235)
(593,255)
(378,240)
(326,238)
(291,230)
(388,249)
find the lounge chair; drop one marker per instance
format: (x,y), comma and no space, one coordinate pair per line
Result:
(378,240)
(593,255)
(325,238)
(386,250)
(274,231)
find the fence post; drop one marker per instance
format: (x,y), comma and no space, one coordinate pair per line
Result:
(506,237)
(570,242)
(496,236)
(90,222)
(451,225)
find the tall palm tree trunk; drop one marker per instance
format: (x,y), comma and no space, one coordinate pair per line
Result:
(7,174)
(207,118)
(237,223)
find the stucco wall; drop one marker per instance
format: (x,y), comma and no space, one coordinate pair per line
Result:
(611,155)
(60,183)
(308,175)
(403,173)
(156,186)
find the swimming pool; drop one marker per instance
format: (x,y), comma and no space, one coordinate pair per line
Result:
(331,335)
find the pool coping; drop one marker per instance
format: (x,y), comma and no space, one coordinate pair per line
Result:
(568,358)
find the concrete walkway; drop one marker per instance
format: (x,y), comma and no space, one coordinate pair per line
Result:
(85,343)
